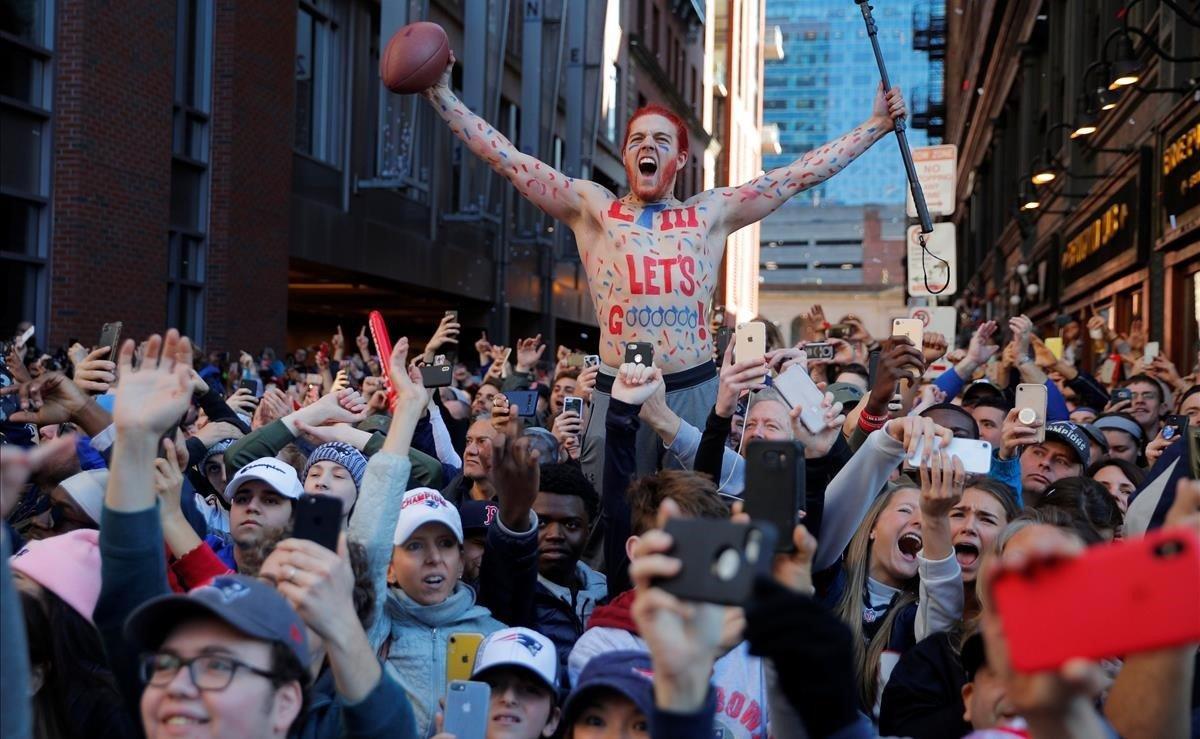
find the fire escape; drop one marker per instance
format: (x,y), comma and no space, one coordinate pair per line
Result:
(929,36)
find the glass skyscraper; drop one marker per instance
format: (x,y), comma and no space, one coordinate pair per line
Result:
(825,84)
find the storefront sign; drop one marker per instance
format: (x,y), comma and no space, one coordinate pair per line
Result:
(935,272)
(1108,234)
(937,171)
(1180,162)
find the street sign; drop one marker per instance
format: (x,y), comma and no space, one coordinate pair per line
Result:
(937,171)
(927,267)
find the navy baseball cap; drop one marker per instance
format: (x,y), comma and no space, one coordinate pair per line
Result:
(1073,436)
(477,514)
(627,672)
(248,605)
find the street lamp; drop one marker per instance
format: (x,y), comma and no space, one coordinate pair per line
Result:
(1126,68)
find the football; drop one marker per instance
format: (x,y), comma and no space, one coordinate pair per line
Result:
(415,58)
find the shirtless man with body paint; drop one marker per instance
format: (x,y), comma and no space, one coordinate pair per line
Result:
(650,260)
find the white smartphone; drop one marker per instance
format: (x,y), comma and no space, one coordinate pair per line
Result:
(1151,352)
(24,338)
(976,454)
(751,341)
(1030,403)
(798,389)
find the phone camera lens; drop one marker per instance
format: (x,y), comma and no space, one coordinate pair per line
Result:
(1170,548)
(727,563)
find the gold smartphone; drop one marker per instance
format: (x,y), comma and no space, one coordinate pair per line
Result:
(1055,345)
(460,655)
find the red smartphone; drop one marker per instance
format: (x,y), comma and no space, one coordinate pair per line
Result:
(1115,599)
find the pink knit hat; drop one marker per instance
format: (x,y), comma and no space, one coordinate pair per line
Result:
(67,565)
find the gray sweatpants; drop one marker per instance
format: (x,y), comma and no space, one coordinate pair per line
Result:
(692,404)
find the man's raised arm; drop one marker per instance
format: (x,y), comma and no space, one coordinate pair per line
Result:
(760,197)
(558,196)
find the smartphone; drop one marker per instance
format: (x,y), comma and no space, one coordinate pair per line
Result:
(572,403)
(839,331)
(1174,426)
(1031,406)
(437,375)
(591,360)
(525,401)
(723,337)
(1151,352)
(460,655)
(1055,345)
(468,704)
(318,518)
(1121,393)
(452,315)
(110,336)
(312,378)
(775,487)
(1152,581)
(798,389)
(574,359)
(1192,439)
(639,352)
(750,341)
(254,386)
(819,350)
(872,367)
(975,454)
(911,328)
(720,559)
(25,336)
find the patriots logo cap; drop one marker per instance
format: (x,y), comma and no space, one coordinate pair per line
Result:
(519,647)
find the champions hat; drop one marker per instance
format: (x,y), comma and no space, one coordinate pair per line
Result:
(281,478)
(425,505)
(627,672)
(244,603)
(519,647)
(1073,436)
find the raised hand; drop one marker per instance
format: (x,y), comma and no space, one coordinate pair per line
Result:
(242,401)
(587,383)
(781,360)
(1022,330)
(818,445)
(446,334)
(168,477)
(318,583)
(529,351)
(737,378)
(567,425)
(444,83)
(18,464)
(933,346)
(516,475)
(504,417)
(153,398)
(1014,435)
(942,480)
(684,638)
(982,347)
(913,430)
(815,319)
(95,375)
(215,431)
(483,347)
(635,383)
(363,342)
(77,353)
(406,382)
(273,406)
(888,107)
(1164,370)
(898,360)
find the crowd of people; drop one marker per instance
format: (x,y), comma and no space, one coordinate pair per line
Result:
(149,500)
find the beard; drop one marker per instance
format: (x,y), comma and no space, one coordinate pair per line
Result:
(657,186)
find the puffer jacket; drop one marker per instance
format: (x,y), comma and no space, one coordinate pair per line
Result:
(418,639)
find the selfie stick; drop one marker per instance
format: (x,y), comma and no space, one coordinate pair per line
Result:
(901,136)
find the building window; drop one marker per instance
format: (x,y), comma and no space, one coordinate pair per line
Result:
(612,94)
(318,82)
(187,240)
(26,48)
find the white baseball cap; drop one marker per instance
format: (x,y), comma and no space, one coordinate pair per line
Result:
(280,476)
(519,647)
(426,505)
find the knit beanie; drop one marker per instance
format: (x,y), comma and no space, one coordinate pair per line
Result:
(220,447)
(339,452)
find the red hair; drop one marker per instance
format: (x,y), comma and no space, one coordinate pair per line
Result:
(655,109)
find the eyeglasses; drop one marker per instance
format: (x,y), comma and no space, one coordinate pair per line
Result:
(208,672)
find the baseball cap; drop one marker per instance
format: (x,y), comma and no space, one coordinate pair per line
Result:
(980,388)
(281,477)
(519,647)
(425,505)
(1095,434)
(1073,436)
(375,423)
(1120,423)
(477,515)
(244,603)
(87,490)
(627,672)
(67,565)
(845,393)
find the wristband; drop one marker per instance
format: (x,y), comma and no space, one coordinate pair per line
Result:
(870,425)
(872,418)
